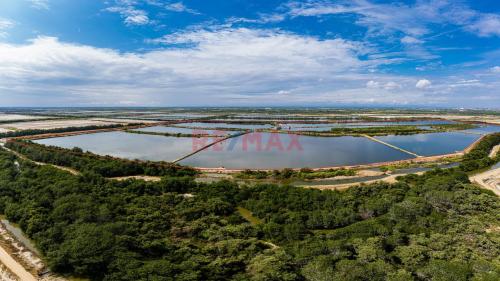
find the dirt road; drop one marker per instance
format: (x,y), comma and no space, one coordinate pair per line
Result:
(494,151)
(489,180)
(342,186)
(15,267)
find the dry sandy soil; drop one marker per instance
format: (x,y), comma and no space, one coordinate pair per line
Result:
(124,121)
(494,151)
(388,179)
(12,117)
(51,124)
(145,178)
(489,180)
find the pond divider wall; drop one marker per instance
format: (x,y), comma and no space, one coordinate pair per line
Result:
(209,145)
(391,146)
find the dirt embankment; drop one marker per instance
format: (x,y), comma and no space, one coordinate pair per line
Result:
(6,274)
(22,262)
(145,178)
(494,151)
(17,262)
(489,180)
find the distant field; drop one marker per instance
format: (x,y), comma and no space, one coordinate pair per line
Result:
(123,121)
(51,124)
(63,123)
(15,117)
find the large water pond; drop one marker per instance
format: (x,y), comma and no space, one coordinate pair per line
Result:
(226,125)
(432,144)
(277,151)
(126,145)
(265,150)
(177,130)
(485,129)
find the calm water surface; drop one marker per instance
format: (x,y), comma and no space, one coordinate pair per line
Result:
(277,151)
(226,125)
(265,150)
(177,130)
(432,144)
(485,129)
(126,145)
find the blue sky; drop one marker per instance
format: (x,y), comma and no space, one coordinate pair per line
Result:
(438,53)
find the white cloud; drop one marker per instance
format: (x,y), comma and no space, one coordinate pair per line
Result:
(423,84)
(486,25)
(5,24)
(412,20)
(130,14)
(495,69)
(221,67)
(229,64)
(466,83)
(372,84)
(411,40)
(180,7)
(40,4)
(391,85)
(263,19)
(317,8)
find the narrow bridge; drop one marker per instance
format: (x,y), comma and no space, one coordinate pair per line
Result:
(209,145)
(391,146)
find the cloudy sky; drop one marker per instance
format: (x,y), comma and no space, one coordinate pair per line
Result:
(439,53)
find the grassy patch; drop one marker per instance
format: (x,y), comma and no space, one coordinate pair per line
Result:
(246,214)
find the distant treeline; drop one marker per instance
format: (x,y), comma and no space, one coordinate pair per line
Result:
(452,127)
(478,158)
(105,166)
(396,130)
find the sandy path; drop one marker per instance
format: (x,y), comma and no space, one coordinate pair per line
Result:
(494,151)
(15,267)
(145,178)
(388,179)
(489,180)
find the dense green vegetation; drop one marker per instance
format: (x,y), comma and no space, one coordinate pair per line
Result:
(32,132)
(303,174)
(478,158)
(87,162)
(452,127)
(431,227)
(383,130)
